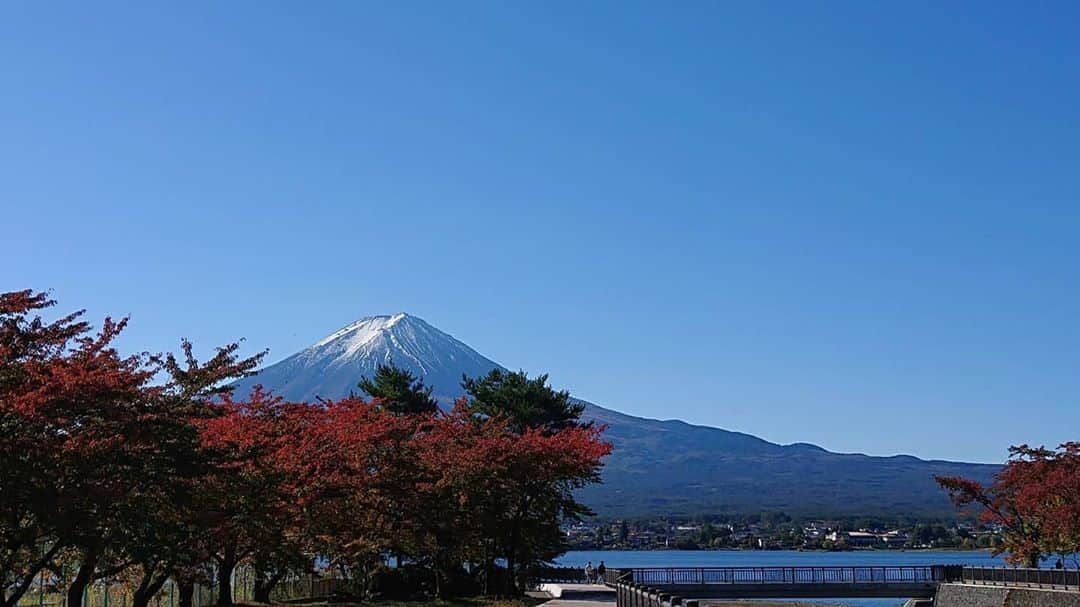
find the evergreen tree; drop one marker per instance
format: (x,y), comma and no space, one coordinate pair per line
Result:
(527,403)
(398,391)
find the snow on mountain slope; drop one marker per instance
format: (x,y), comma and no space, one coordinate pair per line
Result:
(332,367)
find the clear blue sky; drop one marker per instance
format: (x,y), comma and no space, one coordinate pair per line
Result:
(849,223)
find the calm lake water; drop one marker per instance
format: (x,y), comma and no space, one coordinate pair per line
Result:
(778,558)
(774,558)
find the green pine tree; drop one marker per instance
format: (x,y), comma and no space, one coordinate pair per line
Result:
(528,403)
(398,391)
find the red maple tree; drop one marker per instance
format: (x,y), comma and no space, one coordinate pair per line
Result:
(248,510)
(1034,500)
(75,423)
(108,472)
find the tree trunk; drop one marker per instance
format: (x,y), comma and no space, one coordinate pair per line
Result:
(511,561)
(140,599)
(186,593)
(511,552)
(487,567)
(265,585)
(224,577)
(512,545)
(146,591)
(438,578)
(13,590)
(260,593)
(87,564)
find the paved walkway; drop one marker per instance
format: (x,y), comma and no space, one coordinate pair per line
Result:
(579,595)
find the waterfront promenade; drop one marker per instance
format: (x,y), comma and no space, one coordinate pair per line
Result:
(689,587)
(659,585)
(578,595)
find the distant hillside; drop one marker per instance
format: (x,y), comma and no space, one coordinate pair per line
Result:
(658,467)
(672,467)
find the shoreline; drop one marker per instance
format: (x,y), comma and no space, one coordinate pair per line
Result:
(817,550)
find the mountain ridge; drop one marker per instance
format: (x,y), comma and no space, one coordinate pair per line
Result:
(667,467)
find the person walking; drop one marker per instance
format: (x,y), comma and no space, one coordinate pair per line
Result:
(600,570)
(589,573)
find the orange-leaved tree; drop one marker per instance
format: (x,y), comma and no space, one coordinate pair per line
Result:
(248,508)
(76,417)
(352,477)
(1034,500)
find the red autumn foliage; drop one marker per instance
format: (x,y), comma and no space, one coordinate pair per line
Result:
(113,473)
(513,487)
(94,457)
(1035,499)
(248,511)
(435,488)
(75,425)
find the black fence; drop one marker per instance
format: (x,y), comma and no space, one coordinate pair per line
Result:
(667,576)
(114,593)
(997,576)
(1008,576)
(557,575)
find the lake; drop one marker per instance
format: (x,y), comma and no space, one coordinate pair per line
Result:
(778,558)
(774,558)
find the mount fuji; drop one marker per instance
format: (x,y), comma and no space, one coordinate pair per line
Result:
(332,366)
(657,467)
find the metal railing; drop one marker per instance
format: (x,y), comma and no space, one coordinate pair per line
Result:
(116,594)
(555,575)
(673,586)
(1009,576)
(779,575)
(645,587)
(616,576)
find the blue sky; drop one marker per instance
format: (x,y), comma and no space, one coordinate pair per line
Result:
(847,223)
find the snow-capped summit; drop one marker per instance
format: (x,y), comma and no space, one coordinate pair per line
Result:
(332,366)
(363,329)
